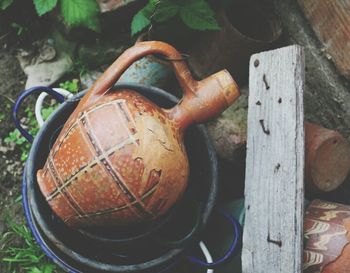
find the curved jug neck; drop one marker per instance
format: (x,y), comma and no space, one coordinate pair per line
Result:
(206,100)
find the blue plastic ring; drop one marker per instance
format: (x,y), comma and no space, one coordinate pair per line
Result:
(37,89)
(29,217)
(232,249)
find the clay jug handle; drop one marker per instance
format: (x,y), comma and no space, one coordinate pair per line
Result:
(139,50)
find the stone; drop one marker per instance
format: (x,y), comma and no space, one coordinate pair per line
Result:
(327,96)
(48,72)
(87,79)
(228,132)
(43,64)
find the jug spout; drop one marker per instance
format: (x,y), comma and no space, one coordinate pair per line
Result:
(207,99)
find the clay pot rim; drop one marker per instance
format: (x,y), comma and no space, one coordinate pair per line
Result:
(274,24)
(157,262)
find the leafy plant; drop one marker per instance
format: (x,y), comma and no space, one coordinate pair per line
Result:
(44,6)
(16,137)
(74,12)
(27,255)
(4,4)
(195,14)
(2,117)
(80,68)
(18,28)
(31,123)
(81,12)
(71,86)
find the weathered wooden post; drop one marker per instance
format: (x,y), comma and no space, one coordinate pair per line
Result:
(274,190)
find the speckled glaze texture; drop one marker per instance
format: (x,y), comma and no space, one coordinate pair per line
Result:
(120,159)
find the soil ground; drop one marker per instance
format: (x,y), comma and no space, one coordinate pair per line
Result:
(12,81)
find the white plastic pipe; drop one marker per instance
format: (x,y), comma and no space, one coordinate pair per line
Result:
(40,101)
(207,255)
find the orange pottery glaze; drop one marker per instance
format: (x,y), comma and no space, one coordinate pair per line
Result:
(120,159)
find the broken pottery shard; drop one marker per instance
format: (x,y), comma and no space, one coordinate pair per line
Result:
(109,5)
(326,238)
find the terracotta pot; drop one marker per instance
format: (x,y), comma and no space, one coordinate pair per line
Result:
(120,159)
(327,158)
(327,152)
(326,238)
(245,29)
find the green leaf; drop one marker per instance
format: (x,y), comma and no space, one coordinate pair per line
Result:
(142,19)
(4,4)
(35,270)
(159,11)
(81,13)
(139,23)
(72,86)
(46,112)
(198,15)
(19,198)
(44,6)
(48,268)
(165,10)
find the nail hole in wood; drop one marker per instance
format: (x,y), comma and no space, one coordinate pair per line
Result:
(256,63)
(267,86)
(266,131)
(278,166)
(279,243)
(280,100)
(258,103)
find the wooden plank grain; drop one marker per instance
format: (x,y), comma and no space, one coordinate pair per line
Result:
(330,19)
(274,190)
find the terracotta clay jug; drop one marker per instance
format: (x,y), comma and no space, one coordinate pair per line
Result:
(120,159)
